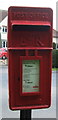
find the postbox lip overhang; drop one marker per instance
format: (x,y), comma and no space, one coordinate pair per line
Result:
(37,23)
(30,25)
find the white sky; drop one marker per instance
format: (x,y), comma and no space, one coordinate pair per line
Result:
(4,4)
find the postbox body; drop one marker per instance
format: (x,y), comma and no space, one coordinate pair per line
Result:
(29,57)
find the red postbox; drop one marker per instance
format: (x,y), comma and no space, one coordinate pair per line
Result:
(29,57)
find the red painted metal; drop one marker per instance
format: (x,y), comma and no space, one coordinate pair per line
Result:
(29,38)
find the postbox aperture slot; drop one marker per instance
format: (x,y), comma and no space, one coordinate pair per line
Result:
(30,27)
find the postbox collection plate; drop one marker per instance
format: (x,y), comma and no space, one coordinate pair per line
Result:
(30,74)
(30,78)
(29,57)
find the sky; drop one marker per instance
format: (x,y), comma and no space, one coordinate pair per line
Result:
(5,4)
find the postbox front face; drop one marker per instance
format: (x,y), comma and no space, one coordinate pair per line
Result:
(29,57)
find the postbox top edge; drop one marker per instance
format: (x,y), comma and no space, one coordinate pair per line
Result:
(28,7)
